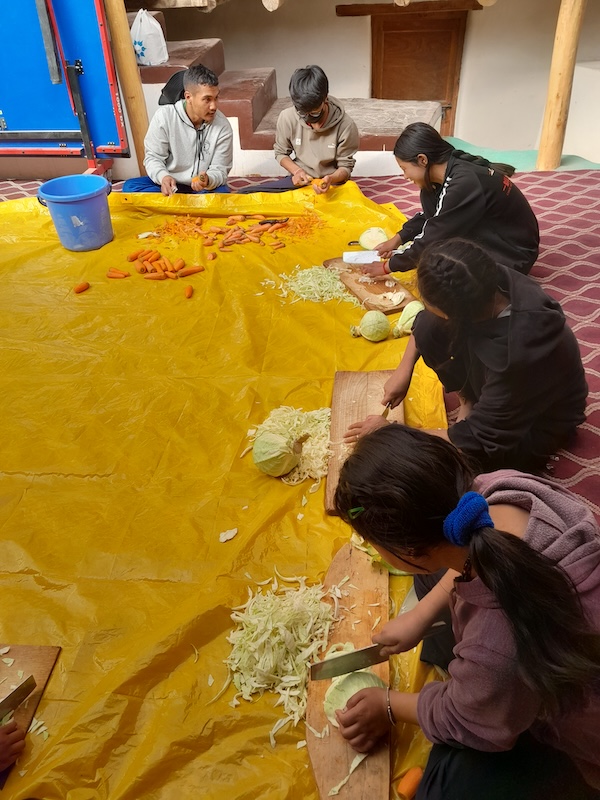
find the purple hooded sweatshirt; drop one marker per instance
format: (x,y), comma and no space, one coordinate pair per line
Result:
(485,705)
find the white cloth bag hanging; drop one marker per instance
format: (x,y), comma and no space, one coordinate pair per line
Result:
(148,40)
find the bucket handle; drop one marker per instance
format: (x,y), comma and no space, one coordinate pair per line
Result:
(43,202)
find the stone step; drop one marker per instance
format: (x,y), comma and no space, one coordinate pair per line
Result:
(248,94)
(182,54)
(379,122)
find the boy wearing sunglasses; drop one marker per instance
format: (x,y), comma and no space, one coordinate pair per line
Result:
(315,137)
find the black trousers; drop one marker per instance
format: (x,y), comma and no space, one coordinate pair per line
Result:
(530,771)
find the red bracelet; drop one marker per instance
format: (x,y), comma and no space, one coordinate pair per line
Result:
(386,269)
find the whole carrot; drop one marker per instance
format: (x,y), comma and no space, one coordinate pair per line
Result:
(155,276)
(139,267)
(178,264)
(170,274)
(116,275)
(168,267)
(277,226)
(120,272)
(189,291)
(154,256)
(149,267)
(135,255)
(81,287)
(144,255)
(183,273)
(158,265)
(409,783)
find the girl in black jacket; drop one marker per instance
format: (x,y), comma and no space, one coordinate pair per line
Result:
(494,337)
(461,195)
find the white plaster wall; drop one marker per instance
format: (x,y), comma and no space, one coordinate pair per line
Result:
(506,60)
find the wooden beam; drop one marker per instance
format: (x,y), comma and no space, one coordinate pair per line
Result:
(129,75)
(568,27)
(366,9)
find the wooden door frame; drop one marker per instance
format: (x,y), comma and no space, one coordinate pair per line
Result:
(458,21)
(422,10)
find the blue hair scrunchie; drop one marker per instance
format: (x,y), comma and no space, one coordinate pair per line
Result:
(471,514)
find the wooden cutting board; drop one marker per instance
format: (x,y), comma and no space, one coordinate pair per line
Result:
(370,294)
(332,756)
(355,396)
(36,660)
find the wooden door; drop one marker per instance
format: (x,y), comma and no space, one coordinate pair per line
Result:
(417,56)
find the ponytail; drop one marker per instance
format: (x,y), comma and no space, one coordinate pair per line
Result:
(558,654)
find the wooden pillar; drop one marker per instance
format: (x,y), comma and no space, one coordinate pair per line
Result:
(568,27)
(129,75)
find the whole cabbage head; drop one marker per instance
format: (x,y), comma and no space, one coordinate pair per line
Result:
(274,454)
(405,323)
(374,326)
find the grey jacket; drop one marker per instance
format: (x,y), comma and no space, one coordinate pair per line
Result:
(318,152)
(175,147)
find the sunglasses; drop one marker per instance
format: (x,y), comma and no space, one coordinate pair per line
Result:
(312,116)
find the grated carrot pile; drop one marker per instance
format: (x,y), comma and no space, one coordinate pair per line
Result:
(304,226)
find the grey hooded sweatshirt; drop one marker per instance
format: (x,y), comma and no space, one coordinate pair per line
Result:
(175,147)
(318,152)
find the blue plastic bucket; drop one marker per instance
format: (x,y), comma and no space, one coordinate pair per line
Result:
(78,206)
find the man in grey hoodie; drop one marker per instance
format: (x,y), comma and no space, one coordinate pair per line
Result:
(189,145)
(317,130)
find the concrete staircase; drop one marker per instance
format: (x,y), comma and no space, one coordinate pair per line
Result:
(251,96)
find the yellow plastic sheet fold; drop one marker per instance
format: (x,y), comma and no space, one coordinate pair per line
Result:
(124,413)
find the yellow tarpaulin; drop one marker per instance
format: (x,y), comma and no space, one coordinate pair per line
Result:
(124,413)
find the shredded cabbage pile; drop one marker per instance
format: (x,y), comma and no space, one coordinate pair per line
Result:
(318,284)
(294,423)
(278,634)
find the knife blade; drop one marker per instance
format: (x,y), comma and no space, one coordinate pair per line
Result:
(348,662)
(17,696)
(359,659)
(386,411)
(272,221)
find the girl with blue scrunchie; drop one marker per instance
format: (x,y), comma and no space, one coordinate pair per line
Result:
(519,716)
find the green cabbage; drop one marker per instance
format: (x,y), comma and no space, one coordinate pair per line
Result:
(374,326)
(344,687)
(404,325)
(372,237)
(274,454)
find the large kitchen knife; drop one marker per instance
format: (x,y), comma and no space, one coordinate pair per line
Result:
(358,659)
(17,696)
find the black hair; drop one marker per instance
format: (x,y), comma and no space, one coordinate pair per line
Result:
(407,482)
(461,279)
(420,138)
(308,88)
(199,75)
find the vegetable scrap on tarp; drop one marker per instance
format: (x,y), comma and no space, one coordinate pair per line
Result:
(126,409)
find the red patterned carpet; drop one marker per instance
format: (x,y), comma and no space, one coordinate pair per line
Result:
(567,205)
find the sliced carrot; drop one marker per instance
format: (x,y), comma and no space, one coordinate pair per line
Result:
(183,273)
(189,291)
(81,287)
(235,218)
(139,267)
(211,256)
(216,229)
(156,276)
(158,265)
(255,239)
(178,264)
(225,249)
(409,783)
(256,216)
